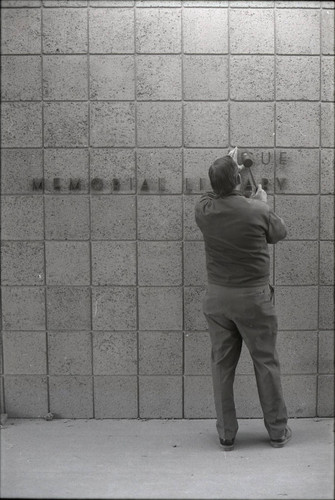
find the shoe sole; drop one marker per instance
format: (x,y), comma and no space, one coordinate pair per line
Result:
(283,443)
(227,448)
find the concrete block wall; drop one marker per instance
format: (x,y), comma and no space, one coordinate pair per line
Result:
(102,281)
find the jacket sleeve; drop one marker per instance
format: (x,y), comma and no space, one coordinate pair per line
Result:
(202,205)
(277,229)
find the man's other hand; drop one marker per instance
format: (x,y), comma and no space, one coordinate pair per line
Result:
(260,194)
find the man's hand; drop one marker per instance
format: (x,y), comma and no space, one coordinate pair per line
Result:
(260,194)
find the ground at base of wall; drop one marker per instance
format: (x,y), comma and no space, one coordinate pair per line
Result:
(163,459)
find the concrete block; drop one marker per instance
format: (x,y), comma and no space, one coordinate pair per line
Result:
(111,31)
(297,124)
(251,3)
(21,78)
(114,308)
(22,218)
(68,308)
(326,263)
(191,230)
(325,396)
(159,263)
(159,124)
(158,31)
(205,3)
(326,307)
(327,217)
(18,168)
(113,262)
(21,124)
(158,3)
(23,308)
(24,353)
(20,31)
(328,5)
(198,39)
(26,396)
(252,31)
(195,272)
(159,217)
(261,134)
(67,262)
(111,3)
(69,353)
(115,397)
(292,37)
(196,165)
(327,28)
(66,217)
(194,318)
(327,125)
(304,343)
(160,308)
(198,397)
(297,78)
(112,77)
(197,352)
(109,164)
(301,216)
(161,168)
(71,396)
(65,31)
(65,78)
(296,263)
(252,78)
(297,171)
(205,77)
(300,395)
(246,397)
(114,353)
(65,124)
(112,124)
(160,397)
(20,3)
(327,78)
(113,218)
(158,77)
(327,171)
(66,165)
(298,4)
(205,124)
(22,263)
(326,352)
(65,3)
(297,307)
(160,353)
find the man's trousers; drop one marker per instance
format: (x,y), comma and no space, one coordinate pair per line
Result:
(244,314)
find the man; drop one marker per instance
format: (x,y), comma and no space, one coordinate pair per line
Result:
(238,304)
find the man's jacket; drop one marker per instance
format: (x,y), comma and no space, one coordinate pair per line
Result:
(236,232)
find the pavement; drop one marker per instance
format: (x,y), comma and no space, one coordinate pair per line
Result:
(163,459)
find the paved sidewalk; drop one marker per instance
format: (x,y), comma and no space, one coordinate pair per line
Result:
(163,459)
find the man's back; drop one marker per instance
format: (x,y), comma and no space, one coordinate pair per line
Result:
(236,232)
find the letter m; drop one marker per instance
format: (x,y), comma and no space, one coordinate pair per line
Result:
(38,184)
(74,184)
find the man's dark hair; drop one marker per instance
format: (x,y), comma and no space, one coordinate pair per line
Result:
(224,175)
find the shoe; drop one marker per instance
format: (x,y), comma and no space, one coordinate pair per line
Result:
(279,443)
(227,444)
